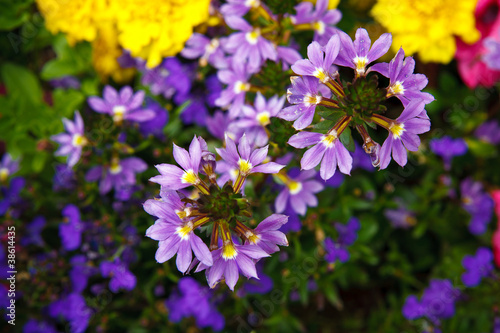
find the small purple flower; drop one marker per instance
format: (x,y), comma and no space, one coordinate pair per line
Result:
(174,178)
(192,300)
(492,56)
(321,19)
(121,106)
(11,194)
(64,178)
(175,235)
(8,167)
(267,236)
(33,232)
(209,51)
(294,224)
(401,217)
(262,286)
(299,191)
(319,61)
(361,52)
(71,229)
(326,149)
(304,95)
(253,121)
(80,273)
(229,260)
(121,277)
(155,125)
(65,82)
(73,309)
(238,7)
(168,78)
(489,131)
(403,133)
(248,44)
(71,143)
(437,302)
(118,175)
(477,267)
(403,83)
(478,204)
(246,159)
(447,148)
(236,77)
(337,250)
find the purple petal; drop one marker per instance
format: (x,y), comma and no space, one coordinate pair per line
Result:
(380,47)
(305,139)
(270,167)
(167,249)
(201,250)
(184,256)
(329,164)
(231,273)
(362,43)
(313,156)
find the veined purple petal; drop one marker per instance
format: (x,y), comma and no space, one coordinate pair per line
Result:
(413,109)
(332,49)
(275,237)
(270,167)
(298,204)
(303,67)
(382,68)
(217,269)
(184,255)
(231,273)
(98,105)
(161,230)
(305,119)
(247,266)
(362,42)
(399,152)
(237,23)
(344,159)
(140,115)
(252,251)
(244,148)
(111,95)
(315,54)
(380,47)
(304,139)
(329,164)
(201,250)
(312,156)
(346,53)
(258,155)
(162,210)
(195,154)
(167,249)
(272,222)
(136,100)
(385,152)
(281,201)
(181,156)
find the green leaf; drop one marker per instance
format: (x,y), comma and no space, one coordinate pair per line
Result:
(324,125)
(346,139)
(21,83)
(14,13)
(70,60)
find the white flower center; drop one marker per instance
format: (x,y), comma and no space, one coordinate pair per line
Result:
(189,177)
(294,187)
(240,86)
(252,3)
(319,26)
(115,167)
(312,99)
(78,140)
(397,129)
(397,88)
(329,139)
(184,231)
(360,63)
(264,118)
(253,36)
(245,166)
(321,75)
(118,112)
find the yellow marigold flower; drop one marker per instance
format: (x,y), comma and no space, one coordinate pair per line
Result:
(428,27)
(149,29)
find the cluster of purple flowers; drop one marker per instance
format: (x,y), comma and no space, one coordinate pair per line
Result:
(347,234)
(437,302)
(225,208)
(478,204)
(447,148)
(477,267)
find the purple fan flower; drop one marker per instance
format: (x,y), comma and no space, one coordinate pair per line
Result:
(403,133)
(155,125)
(327,149)
(347,235)
(175,235)
(266,234)
(253,121)
(236,77)
(118,175)
(71,143)
(238,7)
(489,131)
(192,300)
(175,178)
(35,326)
(304,95)
(168,78)
(10,195)
(33,232)
(121,277)
(65,82)
(447,148)
(209,51)
(246,159)
(437,302)
(121,106)
(71,229)
(248,44)
(401,217)
(80,273)
(403,83)
(477,267)
(8,167)
(478,204)
(319,60)
(74,309)
(492,56)
(299,191)
(321,19)
(288,56)
(361,52)
(229,260)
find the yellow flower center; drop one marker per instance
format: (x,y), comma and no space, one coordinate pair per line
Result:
(228,250)
(4,173)
(118,112)
(253,36)
(264,118)
(312,99)
(397,89)
(189,177)
(321,75)
(319,26)
(410,220)
(397,129)
(294,187)
(184,231)
(115,167)
(252,237)
(360,63)
(245,166)
(79,140)
(240,86)
(212,46)
(329,139)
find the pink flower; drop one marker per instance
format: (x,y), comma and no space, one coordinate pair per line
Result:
(471,66)
(496,235)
